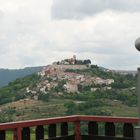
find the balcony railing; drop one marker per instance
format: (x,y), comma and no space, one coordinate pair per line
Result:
(93,126)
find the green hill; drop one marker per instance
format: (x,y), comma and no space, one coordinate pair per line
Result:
(48,94)
(8,75)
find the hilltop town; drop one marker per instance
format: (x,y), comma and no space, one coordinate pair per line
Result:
(70,86)
(63,77)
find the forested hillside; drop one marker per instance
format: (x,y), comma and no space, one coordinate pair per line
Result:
(23,98)
(8,75)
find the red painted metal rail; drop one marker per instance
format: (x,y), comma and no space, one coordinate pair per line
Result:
(108,119)
(18,127)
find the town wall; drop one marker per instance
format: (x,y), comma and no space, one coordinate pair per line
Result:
(69,67)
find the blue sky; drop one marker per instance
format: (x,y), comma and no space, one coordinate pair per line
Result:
(38,32)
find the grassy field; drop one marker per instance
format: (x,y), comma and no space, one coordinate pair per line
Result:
(34,109)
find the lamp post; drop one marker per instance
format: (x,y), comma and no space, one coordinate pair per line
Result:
(137,129)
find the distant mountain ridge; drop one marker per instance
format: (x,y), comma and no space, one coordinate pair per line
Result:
(125,72)
(9,75)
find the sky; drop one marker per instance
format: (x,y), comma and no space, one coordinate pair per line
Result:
(39,32)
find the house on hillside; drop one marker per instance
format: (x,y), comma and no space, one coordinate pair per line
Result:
(101,81)
(71,87)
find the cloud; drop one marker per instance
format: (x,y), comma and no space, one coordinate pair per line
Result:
(72,9)
(30,36)
(107,38)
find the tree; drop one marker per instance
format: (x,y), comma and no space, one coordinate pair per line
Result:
(71,108)
(87,62)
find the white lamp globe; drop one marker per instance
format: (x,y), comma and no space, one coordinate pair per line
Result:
(137,44)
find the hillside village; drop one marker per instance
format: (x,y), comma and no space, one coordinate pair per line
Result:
(68,87)
(71,82)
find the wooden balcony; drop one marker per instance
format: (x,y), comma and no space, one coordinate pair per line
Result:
(70,128)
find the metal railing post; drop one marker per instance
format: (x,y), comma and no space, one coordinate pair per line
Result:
(19,133)
(77,130)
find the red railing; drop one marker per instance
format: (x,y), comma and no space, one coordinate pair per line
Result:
(21,130)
